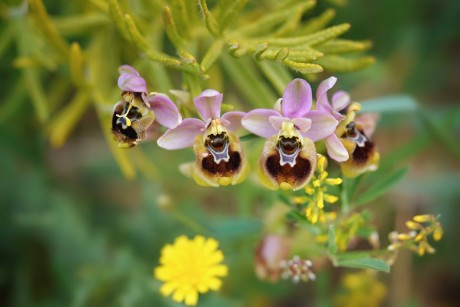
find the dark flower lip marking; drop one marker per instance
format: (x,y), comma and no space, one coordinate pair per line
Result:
(363,153)
(218,147)
(276,174)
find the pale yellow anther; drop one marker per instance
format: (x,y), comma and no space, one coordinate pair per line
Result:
(321,163)
(419,237)
(404,237)
(438,232)
(413,225)
(317,183)
(288,130)
(320,203)
(330,198)
(323,175)
(333,181)
(423,218)
(421,249)
(309,190)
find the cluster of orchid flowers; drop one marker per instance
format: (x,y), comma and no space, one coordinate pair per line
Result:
(291,128)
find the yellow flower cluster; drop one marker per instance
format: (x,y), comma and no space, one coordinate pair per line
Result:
(421,227)
(317,195)
(361,289)
(189,267)
(347,230)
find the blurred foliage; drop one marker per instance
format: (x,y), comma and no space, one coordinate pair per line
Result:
(75,232)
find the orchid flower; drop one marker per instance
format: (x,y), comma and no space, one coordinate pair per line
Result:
(219,155)
(135,113)
(353,131)
(364,155)
(289,155)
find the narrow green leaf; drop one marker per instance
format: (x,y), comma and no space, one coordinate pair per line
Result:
(303,68)
(365,263)
(341,64)
(242,73)
(337,46)
(316,23)
(312,39)
(389,104)
(380,187)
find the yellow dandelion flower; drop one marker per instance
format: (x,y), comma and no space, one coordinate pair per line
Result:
(189,267)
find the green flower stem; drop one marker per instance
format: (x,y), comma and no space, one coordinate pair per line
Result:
(48,28)
(34,88)
(13,102)
(76,24)
(182,17)
(193,83)
(7,36)
(276,74)
(121,155)
(188,222)
(117,16)
(344,196)
(76,65)
(210,21)
(62,125)
(212,55)
(141,43)
(171,30)
(229,12)
(242,73)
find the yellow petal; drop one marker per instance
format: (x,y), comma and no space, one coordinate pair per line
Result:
(214,284)
(191,298)
(167,288)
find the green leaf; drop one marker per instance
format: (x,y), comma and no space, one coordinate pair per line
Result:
(332,247)
(351,256)
(365,263)
(389,104)
(380,187)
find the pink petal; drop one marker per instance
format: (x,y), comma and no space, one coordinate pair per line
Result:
(257,122)
(297,99)
(303,124)
(126,69)
(208,104)
(322,125)
(368,122)
(234,120)
(340,100)
(322,102)
(132,83)
(182,136)
(277,121)
(335,148)
(165,110)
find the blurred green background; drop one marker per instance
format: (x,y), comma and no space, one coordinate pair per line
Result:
(75,232)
